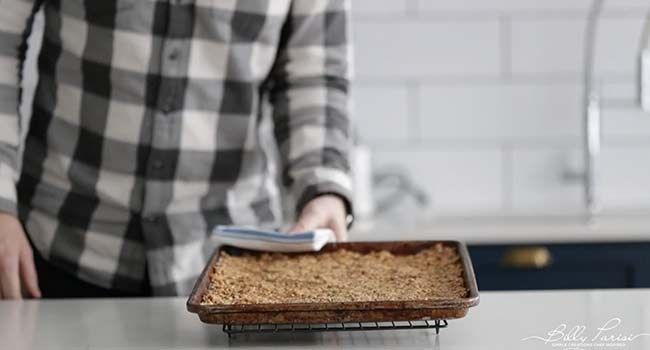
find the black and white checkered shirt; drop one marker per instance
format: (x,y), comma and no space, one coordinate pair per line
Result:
(149,127)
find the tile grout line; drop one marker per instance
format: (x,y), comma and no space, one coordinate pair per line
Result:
(507,176)
(412,9)
(413,111)
(505,46)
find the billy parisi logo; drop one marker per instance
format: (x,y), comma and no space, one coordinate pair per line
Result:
(579,337)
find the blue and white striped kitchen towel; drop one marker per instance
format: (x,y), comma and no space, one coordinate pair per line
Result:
(272,241)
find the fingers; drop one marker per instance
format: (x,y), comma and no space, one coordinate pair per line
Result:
(309,220)
(28,273)
(9,278)
(327,211)
(16,259)
(340,229)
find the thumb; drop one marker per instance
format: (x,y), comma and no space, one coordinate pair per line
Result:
(309,220)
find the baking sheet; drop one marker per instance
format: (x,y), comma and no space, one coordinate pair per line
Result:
(372,311)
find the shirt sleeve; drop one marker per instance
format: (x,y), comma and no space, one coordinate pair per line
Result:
(16,18)
(309,95)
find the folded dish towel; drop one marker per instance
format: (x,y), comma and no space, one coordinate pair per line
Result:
(272,241)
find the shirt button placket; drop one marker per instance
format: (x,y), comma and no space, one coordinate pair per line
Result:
(169,88)
(168,104)
(165,138)
(157,167)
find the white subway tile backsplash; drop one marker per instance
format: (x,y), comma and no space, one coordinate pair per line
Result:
(417,49)
(454,180)
(500,112)
(617,45)
(621,91)
(556,46)
(625,4)
(547,46)
(625,178)
(623,119)
(498,89)
(624,124)
(540,182)
(381,113)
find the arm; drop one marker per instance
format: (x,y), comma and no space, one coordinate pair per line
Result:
(16,259)
(310,98)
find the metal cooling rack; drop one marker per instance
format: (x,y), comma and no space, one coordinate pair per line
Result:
(333,327)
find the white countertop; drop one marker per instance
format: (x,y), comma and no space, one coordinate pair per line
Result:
(500,322)
(510,229)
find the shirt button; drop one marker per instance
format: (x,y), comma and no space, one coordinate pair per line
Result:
(167,106)
(158,164)
(173,55)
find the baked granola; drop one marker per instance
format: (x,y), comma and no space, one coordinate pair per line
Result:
(338,276)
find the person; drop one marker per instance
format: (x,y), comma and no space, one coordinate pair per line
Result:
(152,123)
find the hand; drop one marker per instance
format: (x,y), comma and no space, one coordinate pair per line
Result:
(16,260)
(326,211)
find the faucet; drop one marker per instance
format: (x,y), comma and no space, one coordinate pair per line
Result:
(591,150)
(591,119)
(643,86)
(592,105)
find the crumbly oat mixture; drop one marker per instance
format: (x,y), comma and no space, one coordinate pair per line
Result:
(340,276)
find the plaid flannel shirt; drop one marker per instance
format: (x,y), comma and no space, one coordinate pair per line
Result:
(148,127)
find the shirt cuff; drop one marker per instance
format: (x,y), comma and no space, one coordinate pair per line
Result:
(323,182)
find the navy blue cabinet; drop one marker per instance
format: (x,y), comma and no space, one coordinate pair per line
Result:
(571,266)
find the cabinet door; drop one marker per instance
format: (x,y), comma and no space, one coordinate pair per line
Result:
(565,277)
(573,266)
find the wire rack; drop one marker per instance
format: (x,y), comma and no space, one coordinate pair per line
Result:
(232,329)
